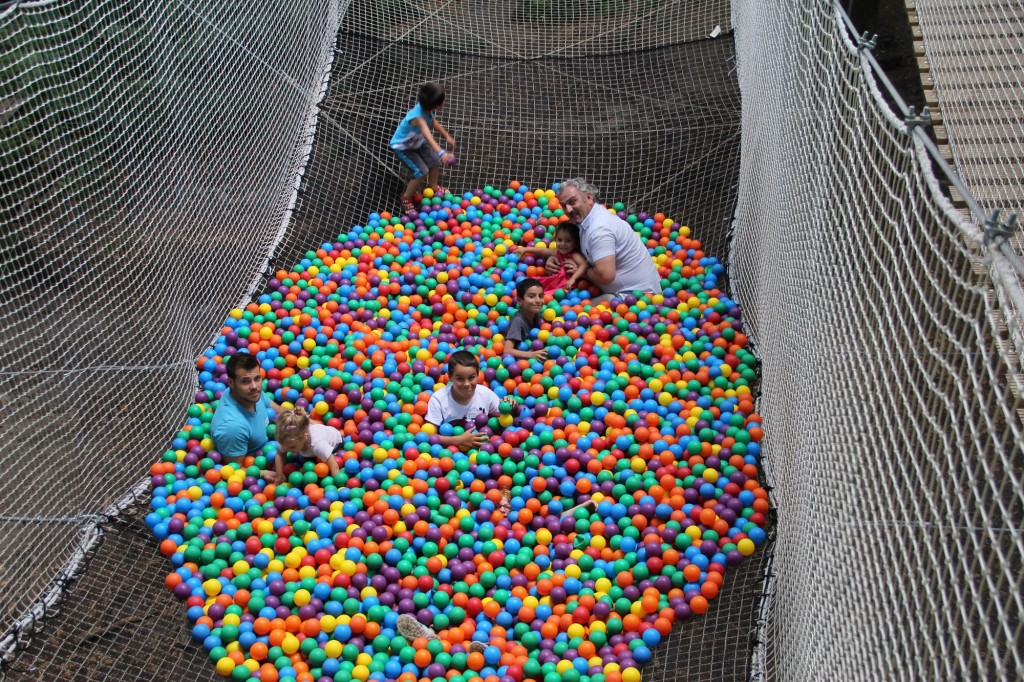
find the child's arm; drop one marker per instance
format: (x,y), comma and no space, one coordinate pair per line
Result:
(279,466)
(444,133)
(468,439)
(277,475)
(536,250)
(579,272)
(541,354)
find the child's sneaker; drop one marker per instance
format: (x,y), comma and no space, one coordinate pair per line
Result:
(408,206)
(412,629)
(441,191)
(477,647)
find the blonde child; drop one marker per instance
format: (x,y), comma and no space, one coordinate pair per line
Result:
(301,437)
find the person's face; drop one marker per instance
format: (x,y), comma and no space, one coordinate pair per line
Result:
(247,385)
(464,381)
(533,301)
(564,242)
(576,204)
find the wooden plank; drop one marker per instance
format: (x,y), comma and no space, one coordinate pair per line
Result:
(958,201)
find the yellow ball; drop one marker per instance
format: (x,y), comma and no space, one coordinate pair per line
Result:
(290,644)
(333,647)
(745,546)
(211,587)
(225,666)
(428,193)
(631,675)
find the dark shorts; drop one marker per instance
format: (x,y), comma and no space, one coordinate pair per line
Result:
(419,160)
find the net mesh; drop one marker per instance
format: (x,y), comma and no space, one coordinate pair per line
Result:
(207,120)
(891,391)
(144,187)
(150,158)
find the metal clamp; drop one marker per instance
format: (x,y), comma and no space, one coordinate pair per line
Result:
(996,230)
(866,43)
(913,119)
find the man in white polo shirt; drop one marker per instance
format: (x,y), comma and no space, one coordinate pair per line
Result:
(620,263)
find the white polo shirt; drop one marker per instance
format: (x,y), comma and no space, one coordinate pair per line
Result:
(604,234)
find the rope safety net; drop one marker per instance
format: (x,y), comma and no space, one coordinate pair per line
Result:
(895,461)
(890,382)
(186,130)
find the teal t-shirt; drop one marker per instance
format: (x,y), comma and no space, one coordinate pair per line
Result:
(237,431)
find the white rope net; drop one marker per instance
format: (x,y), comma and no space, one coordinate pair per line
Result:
(162,158)
(155,156)
(891,390)
(144,185)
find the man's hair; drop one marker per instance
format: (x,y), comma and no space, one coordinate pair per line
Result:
(525,285)
(431,96)
(581,185)
(462,358)
(243,362)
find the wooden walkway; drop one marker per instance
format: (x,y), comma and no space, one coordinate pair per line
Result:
(971,57)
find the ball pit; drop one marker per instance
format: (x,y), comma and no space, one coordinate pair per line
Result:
(642,410)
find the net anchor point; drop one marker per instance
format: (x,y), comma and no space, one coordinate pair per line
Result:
(866,43)
(913,119)
(998,231)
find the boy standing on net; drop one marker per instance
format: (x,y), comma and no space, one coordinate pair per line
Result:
(415,145)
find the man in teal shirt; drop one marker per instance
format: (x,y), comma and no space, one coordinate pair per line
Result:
(239,425)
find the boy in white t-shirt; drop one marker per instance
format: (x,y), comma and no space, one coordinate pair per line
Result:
(462,400)
(301,437)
